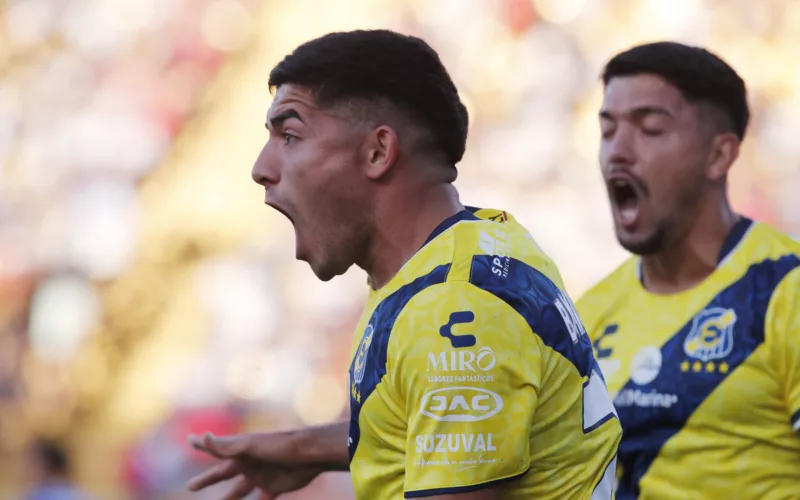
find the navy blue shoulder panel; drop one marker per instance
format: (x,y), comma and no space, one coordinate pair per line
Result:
(537,299)
(466,214)
(731,327)
(369,363)
(734,237)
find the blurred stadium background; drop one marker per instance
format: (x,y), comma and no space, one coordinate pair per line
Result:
(146,292)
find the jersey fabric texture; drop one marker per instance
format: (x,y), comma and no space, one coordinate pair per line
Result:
(471,369)
(706,382)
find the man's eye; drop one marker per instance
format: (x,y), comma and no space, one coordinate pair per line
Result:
(652,132)
(288,138)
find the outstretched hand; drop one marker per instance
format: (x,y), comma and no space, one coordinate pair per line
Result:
(261,461)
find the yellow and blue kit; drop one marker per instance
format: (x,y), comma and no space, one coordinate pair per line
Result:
(472,369)
(706,382)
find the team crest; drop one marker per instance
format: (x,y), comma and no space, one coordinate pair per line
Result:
(360,362)
(711,336)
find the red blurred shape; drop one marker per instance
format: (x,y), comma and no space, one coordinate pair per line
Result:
(517,15)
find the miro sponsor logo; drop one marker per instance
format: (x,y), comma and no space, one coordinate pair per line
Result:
(460,404)
(462,361)
(642,399)
(444,443)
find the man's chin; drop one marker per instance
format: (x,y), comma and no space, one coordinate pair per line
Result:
(327,272)
(641,244)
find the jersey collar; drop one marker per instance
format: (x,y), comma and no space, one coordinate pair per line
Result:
(466,214)
(734,237)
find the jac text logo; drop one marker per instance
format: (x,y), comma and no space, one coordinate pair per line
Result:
(460,404)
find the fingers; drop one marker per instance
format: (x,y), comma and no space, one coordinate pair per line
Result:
(221,447)
(241,488)
(218,473)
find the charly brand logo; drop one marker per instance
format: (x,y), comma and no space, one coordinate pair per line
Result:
(460,404)
(711,336)
(458,318)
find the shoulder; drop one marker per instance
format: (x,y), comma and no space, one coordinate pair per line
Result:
(777,240)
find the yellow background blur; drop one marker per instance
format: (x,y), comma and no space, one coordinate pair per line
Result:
(146,292)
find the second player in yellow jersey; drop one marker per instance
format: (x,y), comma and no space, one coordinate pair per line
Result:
(471,369)
(707,382)
(698,334)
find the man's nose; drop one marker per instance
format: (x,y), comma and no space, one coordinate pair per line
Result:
(266,170)
(618,150)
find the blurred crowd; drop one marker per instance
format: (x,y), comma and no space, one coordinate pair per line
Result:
(145,292)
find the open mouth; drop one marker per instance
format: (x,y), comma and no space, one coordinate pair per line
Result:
(626,197)
(277,208)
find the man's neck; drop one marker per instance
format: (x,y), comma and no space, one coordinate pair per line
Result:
(692,258)
(402,227)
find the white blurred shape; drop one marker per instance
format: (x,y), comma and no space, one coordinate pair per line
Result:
(529,149)
(134,15)
(92,26)
(102,221)
(320,400)
(65,79)
(104,139)
(550,64)
(241,298)
(226,25)
(9,118)
(778,135)
(656,18)
(559,11)
(28,22)
(271,375)
(64,310)
(442,12)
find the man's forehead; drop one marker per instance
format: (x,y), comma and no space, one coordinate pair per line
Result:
(642,91)
(289,95)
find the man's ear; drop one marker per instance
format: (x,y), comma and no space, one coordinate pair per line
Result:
(381,148)
(723,153)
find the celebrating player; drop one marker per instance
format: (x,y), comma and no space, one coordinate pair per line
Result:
(698,335)
(472,377)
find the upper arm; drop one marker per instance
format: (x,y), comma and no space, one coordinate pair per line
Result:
(783,333)
(466,368)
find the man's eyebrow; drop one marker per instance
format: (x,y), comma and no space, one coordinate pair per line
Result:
(277,120)
(639,112)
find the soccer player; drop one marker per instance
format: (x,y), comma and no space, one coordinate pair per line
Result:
(698,334)
(472,377)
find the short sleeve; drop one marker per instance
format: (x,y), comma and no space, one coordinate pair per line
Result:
(783,334)
(467,368)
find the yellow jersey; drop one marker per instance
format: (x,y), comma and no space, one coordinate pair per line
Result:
(706,382)
(471,369)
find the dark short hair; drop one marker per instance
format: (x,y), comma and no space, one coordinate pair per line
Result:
(700,75)
(381,64)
